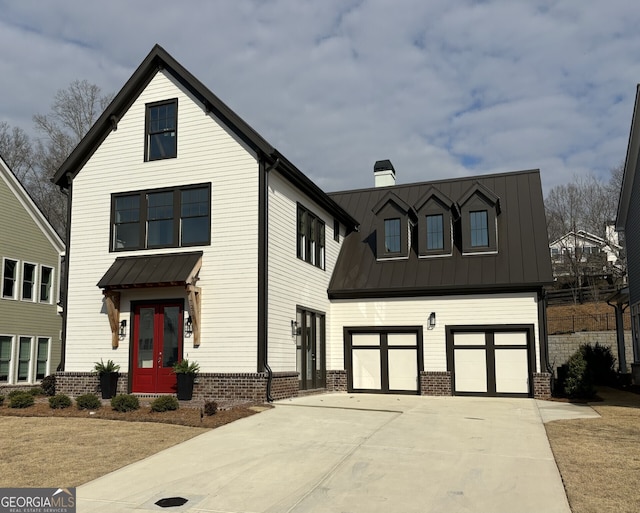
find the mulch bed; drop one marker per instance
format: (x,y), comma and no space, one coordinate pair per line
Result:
(183,416)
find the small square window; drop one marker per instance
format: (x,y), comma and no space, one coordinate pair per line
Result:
(161,130)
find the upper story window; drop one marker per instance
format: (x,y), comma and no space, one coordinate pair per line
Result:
(46,283)
(479,208)
(479,225)
(435,232)
(9,278)
(162,122)
(161,218)
(435,224)
(392,237)
(393,227)
(28,281)
(310,245)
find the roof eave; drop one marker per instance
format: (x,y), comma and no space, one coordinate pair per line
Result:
(630,165)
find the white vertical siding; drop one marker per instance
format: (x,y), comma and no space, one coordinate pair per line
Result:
(521,308)
(206,152)
(293,282)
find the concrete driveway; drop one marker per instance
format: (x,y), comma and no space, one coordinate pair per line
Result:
(353,453)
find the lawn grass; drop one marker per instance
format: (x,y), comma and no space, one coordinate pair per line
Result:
(599,459)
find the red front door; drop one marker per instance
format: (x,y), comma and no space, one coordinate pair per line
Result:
(157,345)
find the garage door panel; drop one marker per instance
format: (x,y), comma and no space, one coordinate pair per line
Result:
(401,339)
(403,369)
(366,369)
(470,370)
(469,339)
(512,371)
(365,339)
(510,339)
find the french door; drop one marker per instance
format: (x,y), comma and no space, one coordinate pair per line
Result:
(157,345)
(310,342)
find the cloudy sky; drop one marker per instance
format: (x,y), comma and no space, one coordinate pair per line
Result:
(441,88)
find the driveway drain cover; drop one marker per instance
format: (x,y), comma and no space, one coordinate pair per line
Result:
(171,502)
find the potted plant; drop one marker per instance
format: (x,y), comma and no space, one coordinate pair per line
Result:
(108,375)
(186,373)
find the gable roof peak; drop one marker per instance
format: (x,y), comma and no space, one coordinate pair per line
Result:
(391,197)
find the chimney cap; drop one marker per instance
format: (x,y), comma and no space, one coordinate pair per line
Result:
(383,165)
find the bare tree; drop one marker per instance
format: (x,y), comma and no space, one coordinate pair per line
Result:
(15,148)
(73,112)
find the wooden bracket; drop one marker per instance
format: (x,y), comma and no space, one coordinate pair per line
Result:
(194,298)
(112,300)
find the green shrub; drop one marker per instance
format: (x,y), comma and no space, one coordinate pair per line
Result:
(1,399)
(35,391)
(601,363)
(59,402)
(48,384)
(210,408)
(88,402)
(579,381)
(165,403)
(20,400)
(125,402)
(14,393)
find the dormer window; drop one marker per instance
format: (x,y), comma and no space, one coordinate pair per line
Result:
(161,125)
(435,220)
(479,209)
(392,238)
(393,227)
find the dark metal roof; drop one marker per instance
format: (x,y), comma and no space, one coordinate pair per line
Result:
(158,59)
(521,263)
(151,270)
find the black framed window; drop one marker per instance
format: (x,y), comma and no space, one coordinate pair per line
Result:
(162,218)
(161,130)
(310,245)
(479,226)
(435,232)
(392,235)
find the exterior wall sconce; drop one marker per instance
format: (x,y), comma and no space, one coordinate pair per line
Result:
(188,327)
(294,328)
(123,328)
(432,320)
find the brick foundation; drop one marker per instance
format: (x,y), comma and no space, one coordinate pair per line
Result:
(336,381)
(224,388)
(435,383)
(542,385)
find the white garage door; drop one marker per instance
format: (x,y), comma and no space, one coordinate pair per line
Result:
(490,361)
(383,361)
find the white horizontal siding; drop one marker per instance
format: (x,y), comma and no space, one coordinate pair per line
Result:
(207,152)
(486,309)
(293,282)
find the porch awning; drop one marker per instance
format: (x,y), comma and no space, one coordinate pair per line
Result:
(152,271)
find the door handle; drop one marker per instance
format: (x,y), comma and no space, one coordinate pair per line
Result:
(159,359)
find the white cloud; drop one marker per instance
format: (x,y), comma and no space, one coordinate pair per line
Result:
(443,89)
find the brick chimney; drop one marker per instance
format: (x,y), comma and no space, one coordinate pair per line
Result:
(384,173)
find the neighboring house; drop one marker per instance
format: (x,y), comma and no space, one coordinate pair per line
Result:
(190,236)
(30,319)
(628,223)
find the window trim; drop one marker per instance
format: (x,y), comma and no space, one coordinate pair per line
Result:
(148,134)
(16,278)
(36,358)
(143,215)
(29,378)
(310,245)
(392,207)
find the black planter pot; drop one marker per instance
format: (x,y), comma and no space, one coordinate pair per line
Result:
(108,384)
(185,386)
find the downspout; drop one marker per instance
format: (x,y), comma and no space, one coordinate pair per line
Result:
(64,289)
(544,336)
(622,357)
(263,288)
